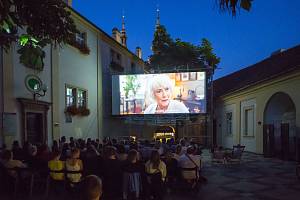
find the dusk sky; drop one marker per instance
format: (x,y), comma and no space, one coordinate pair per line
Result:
(240,41)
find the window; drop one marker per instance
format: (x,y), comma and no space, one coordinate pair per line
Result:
(249,122)
(80,38)
(70,96)
(81,98)
(115,57)
(76,96)
(132,67)
(229,123)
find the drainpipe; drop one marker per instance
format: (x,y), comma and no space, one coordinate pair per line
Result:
(2,98)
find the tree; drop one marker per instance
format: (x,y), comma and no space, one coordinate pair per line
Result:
(168,53)
(42,22)
(233,5)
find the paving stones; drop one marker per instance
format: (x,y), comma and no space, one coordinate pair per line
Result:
(256,178)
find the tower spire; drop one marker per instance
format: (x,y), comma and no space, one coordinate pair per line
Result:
(123,32)
(157,24)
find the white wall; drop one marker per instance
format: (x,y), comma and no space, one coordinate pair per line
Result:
(228,140)
(79,70)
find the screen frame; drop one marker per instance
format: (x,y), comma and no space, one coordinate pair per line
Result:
(168,115)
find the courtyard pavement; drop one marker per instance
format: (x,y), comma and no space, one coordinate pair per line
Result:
(255,178)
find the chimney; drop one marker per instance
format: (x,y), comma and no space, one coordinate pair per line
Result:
(69,2)
(116,35)
(279,51)
(138,52)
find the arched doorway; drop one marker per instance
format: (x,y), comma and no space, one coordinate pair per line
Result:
(280,126)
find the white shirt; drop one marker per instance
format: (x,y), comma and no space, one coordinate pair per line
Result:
(174,107)
(185,162)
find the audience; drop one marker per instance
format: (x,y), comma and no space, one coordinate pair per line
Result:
(136,167)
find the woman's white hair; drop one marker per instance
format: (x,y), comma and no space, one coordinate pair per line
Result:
(158,81)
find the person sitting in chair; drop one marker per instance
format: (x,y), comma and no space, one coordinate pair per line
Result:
(190,161)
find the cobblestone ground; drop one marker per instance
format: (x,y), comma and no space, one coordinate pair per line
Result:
(255,178)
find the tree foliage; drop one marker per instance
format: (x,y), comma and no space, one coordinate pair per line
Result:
(168,53)
(233,5)
(42,22)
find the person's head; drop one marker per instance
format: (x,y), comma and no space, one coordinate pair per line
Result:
(63,139)
(56,155)
(7,155)
(91,188)
(110,152)
(178,149)
(155,158)
(75,154)
(32,150)
(121,149)
(190,150)
(132,156)
(15,144)
(169,154)
(161,90)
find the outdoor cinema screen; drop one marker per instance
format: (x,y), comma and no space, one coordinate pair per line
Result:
(159,93)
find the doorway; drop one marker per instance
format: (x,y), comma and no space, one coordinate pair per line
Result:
(34,127)
(280,114)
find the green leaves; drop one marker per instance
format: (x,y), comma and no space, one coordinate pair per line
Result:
(168,53)
(231,6)
(32,57)
(131,85)
(246,4)
(46,22)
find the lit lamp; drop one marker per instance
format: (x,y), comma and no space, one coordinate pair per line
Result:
(42,89)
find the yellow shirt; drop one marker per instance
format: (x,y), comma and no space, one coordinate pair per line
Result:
(161,167)
(56,165)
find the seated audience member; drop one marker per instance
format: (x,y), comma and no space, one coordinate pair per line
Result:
(91,188)
(92,161)
(122,155)
(9,163)
(111,173)
(17,151)
(133,176)
(156,165)
(189,160)
(178,151)
(56,165)
(171,164)
(55,146)
(183,146)
(74,164)
(65,152)
(156,173)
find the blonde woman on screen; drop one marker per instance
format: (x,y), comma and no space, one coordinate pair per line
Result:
(161,89)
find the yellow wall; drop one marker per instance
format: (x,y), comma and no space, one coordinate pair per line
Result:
(261,93)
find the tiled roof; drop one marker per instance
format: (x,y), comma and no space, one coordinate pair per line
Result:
(274,66)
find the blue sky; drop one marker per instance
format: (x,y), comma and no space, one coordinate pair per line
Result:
(240,41)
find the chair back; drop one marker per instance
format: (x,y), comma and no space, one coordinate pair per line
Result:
(132,183)
(190,173)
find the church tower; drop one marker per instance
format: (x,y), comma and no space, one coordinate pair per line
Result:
(157,24)
(123,33)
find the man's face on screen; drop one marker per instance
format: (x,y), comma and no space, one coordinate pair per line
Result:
(162,96)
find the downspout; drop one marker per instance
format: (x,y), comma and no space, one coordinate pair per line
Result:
(51,81)
(2,98)
(98,126)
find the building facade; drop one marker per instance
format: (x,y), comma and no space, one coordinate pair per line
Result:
(78,83)
(259,106)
